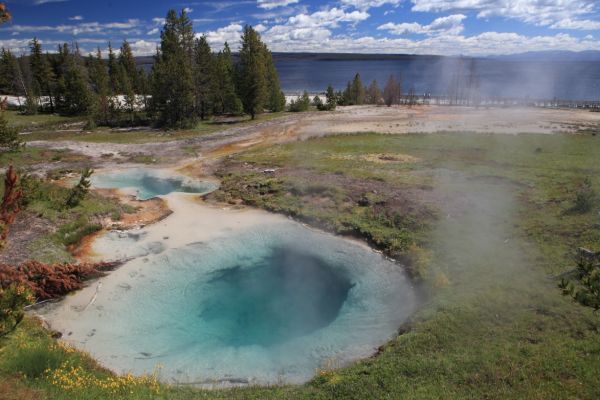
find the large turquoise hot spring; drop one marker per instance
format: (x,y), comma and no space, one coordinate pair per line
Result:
(264,304)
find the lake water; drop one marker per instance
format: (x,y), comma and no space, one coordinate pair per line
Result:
(575,80)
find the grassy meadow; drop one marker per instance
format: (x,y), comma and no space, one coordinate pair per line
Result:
(58,128)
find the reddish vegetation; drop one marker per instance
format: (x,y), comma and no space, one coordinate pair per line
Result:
(10,202)
(4,13)
(52,281)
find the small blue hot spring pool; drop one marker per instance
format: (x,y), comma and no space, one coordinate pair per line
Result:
(148,183)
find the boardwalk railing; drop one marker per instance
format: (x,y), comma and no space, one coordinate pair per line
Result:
(499,102)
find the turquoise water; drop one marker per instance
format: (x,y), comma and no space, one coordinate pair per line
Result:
(284,295)
(148,183)
(259,306)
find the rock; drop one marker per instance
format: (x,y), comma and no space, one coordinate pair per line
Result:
(156,247)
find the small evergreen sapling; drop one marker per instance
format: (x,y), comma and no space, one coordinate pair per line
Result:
(13,300)
(585,288)
(9,136)
(584,197)
(331,98)
(301,104)
(79,191)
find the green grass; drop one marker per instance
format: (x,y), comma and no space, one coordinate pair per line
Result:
(547,169)
(332,205)
(498,329)
(47,200)
(30,156)
(105,135)
(37,121)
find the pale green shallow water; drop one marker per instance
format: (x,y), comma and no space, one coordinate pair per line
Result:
(265,305)
(148,183)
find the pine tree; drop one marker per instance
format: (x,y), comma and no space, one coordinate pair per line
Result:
(252,82)
(128,93)
(301,104)
(348,96)
(173,83)
(5,78)
(331,97)
(12,80)
(113,71)
(373,93)
(32,95)
(412,97)
(225,99)
(101,83)
(127,63)
(276,100)
(143,87)
(203,76)
(340,97)
(317,102)
(42,74)
(358,91)
(77,98)
(80,190)
(391,92)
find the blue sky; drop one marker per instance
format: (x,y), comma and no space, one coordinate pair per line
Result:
(450,27)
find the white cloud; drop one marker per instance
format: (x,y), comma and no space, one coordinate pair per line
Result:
(366,4)
(188,10)
(280,39)
(221,5)
(450,25)
(77,29)
(21,46)
(143,47)
(153,31)
(230,33)
(487,43)
(260,28)
(326,18)
(76,18)
(581,24)
(539,12)
(17,46)
(202,20)
(269,4)
(281,34)
(311,28)
(39,2)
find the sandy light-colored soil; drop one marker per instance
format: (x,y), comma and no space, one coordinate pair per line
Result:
(421,119)
(392,120)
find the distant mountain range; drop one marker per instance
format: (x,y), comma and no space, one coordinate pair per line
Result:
(589,55)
